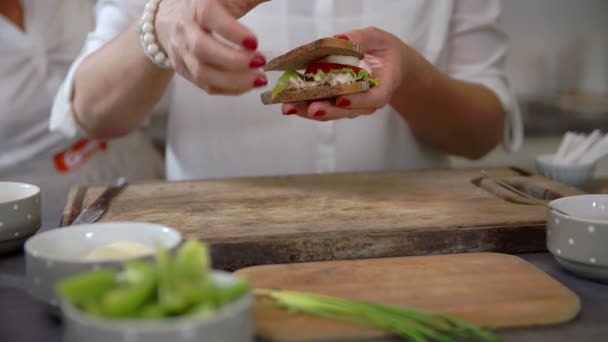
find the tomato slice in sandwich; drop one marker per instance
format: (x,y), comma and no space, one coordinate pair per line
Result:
(328,67)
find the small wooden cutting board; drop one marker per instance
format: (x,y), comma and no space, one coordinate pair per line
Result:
(488,289)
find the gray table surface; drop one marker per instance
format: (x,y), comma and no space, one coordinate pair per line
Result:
(24,320)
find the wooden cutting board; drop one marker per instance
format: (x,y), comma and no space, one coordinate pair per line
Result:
(488,289)
(252,221)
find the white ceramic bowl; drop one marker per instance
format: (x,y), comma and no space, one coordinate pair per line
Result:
(56,254)
(575,174)
(579,240)
(19,214)
(231,323)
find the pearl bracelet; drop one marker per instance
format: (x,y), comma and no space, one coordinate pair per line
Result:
(148,39)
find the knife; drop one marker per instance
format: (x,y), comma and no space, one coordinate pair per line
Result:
(96,210)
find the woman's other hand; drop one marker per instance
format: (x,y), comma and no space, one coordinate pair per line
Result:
(384,61)
(209,47)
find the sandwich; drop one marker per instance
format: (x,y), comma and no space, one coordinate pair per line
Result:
(323,69)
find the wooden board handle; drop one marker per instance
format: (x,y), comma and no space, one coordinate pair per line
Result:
(538,190)
(75,201)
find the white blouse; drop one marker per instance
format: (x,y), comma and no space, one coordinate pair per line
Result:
(218,136)
(33,64)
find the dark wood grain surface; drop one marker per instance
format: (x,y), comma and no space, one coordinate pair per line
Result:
(265,220)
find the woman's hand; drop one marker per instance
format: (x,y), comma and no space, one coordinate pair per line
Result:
(383,59)
(188,31)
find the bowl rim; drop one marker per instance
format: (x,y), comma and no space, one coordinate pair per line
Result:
(20,198)
(244,302)
(33,253)
(575,217)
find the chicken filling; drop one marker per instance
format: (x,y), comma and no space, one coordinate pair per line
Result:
(331,79)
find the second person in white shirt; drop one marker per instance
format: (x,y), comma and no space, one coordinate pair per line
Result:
(38,42)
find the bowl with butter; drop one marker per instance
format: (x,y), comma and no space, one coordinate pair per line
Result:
(56,254)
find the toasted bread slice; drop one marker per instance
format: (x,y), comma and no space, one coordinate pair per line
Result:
(300,57)
(316,93)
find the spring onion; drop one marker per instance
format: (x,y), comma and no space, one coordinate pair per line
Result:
(412,324)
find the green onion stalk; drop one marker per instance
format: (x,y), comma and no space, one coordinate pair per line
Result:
(412,324)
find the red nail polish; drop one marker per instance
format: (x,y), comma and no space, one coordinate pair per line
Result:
(344,102)
(342,36)
(319,113)
(291,112)
(260,81)
(250,43)
(257,61)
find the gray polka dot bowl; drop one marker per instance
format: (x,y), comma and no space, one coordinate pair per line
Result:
(579,240)
(231,323)
(56,254)
(19,214)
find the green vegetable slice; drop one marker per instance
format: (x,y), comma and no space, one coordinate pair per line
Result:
(191,273)
(202,310)
(192,262)
(197,294)
(363,75)
(225,295)
(139,273)
(128,298)
(93,307)
(170,298)
(283,82)
(87,287)
(152,310)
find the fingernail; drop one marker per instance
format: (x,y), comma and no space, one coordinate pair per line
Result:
(342,36)
(260,81)
(319,113)
(250,43)
(290,112)
(344,102)
(257,61)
